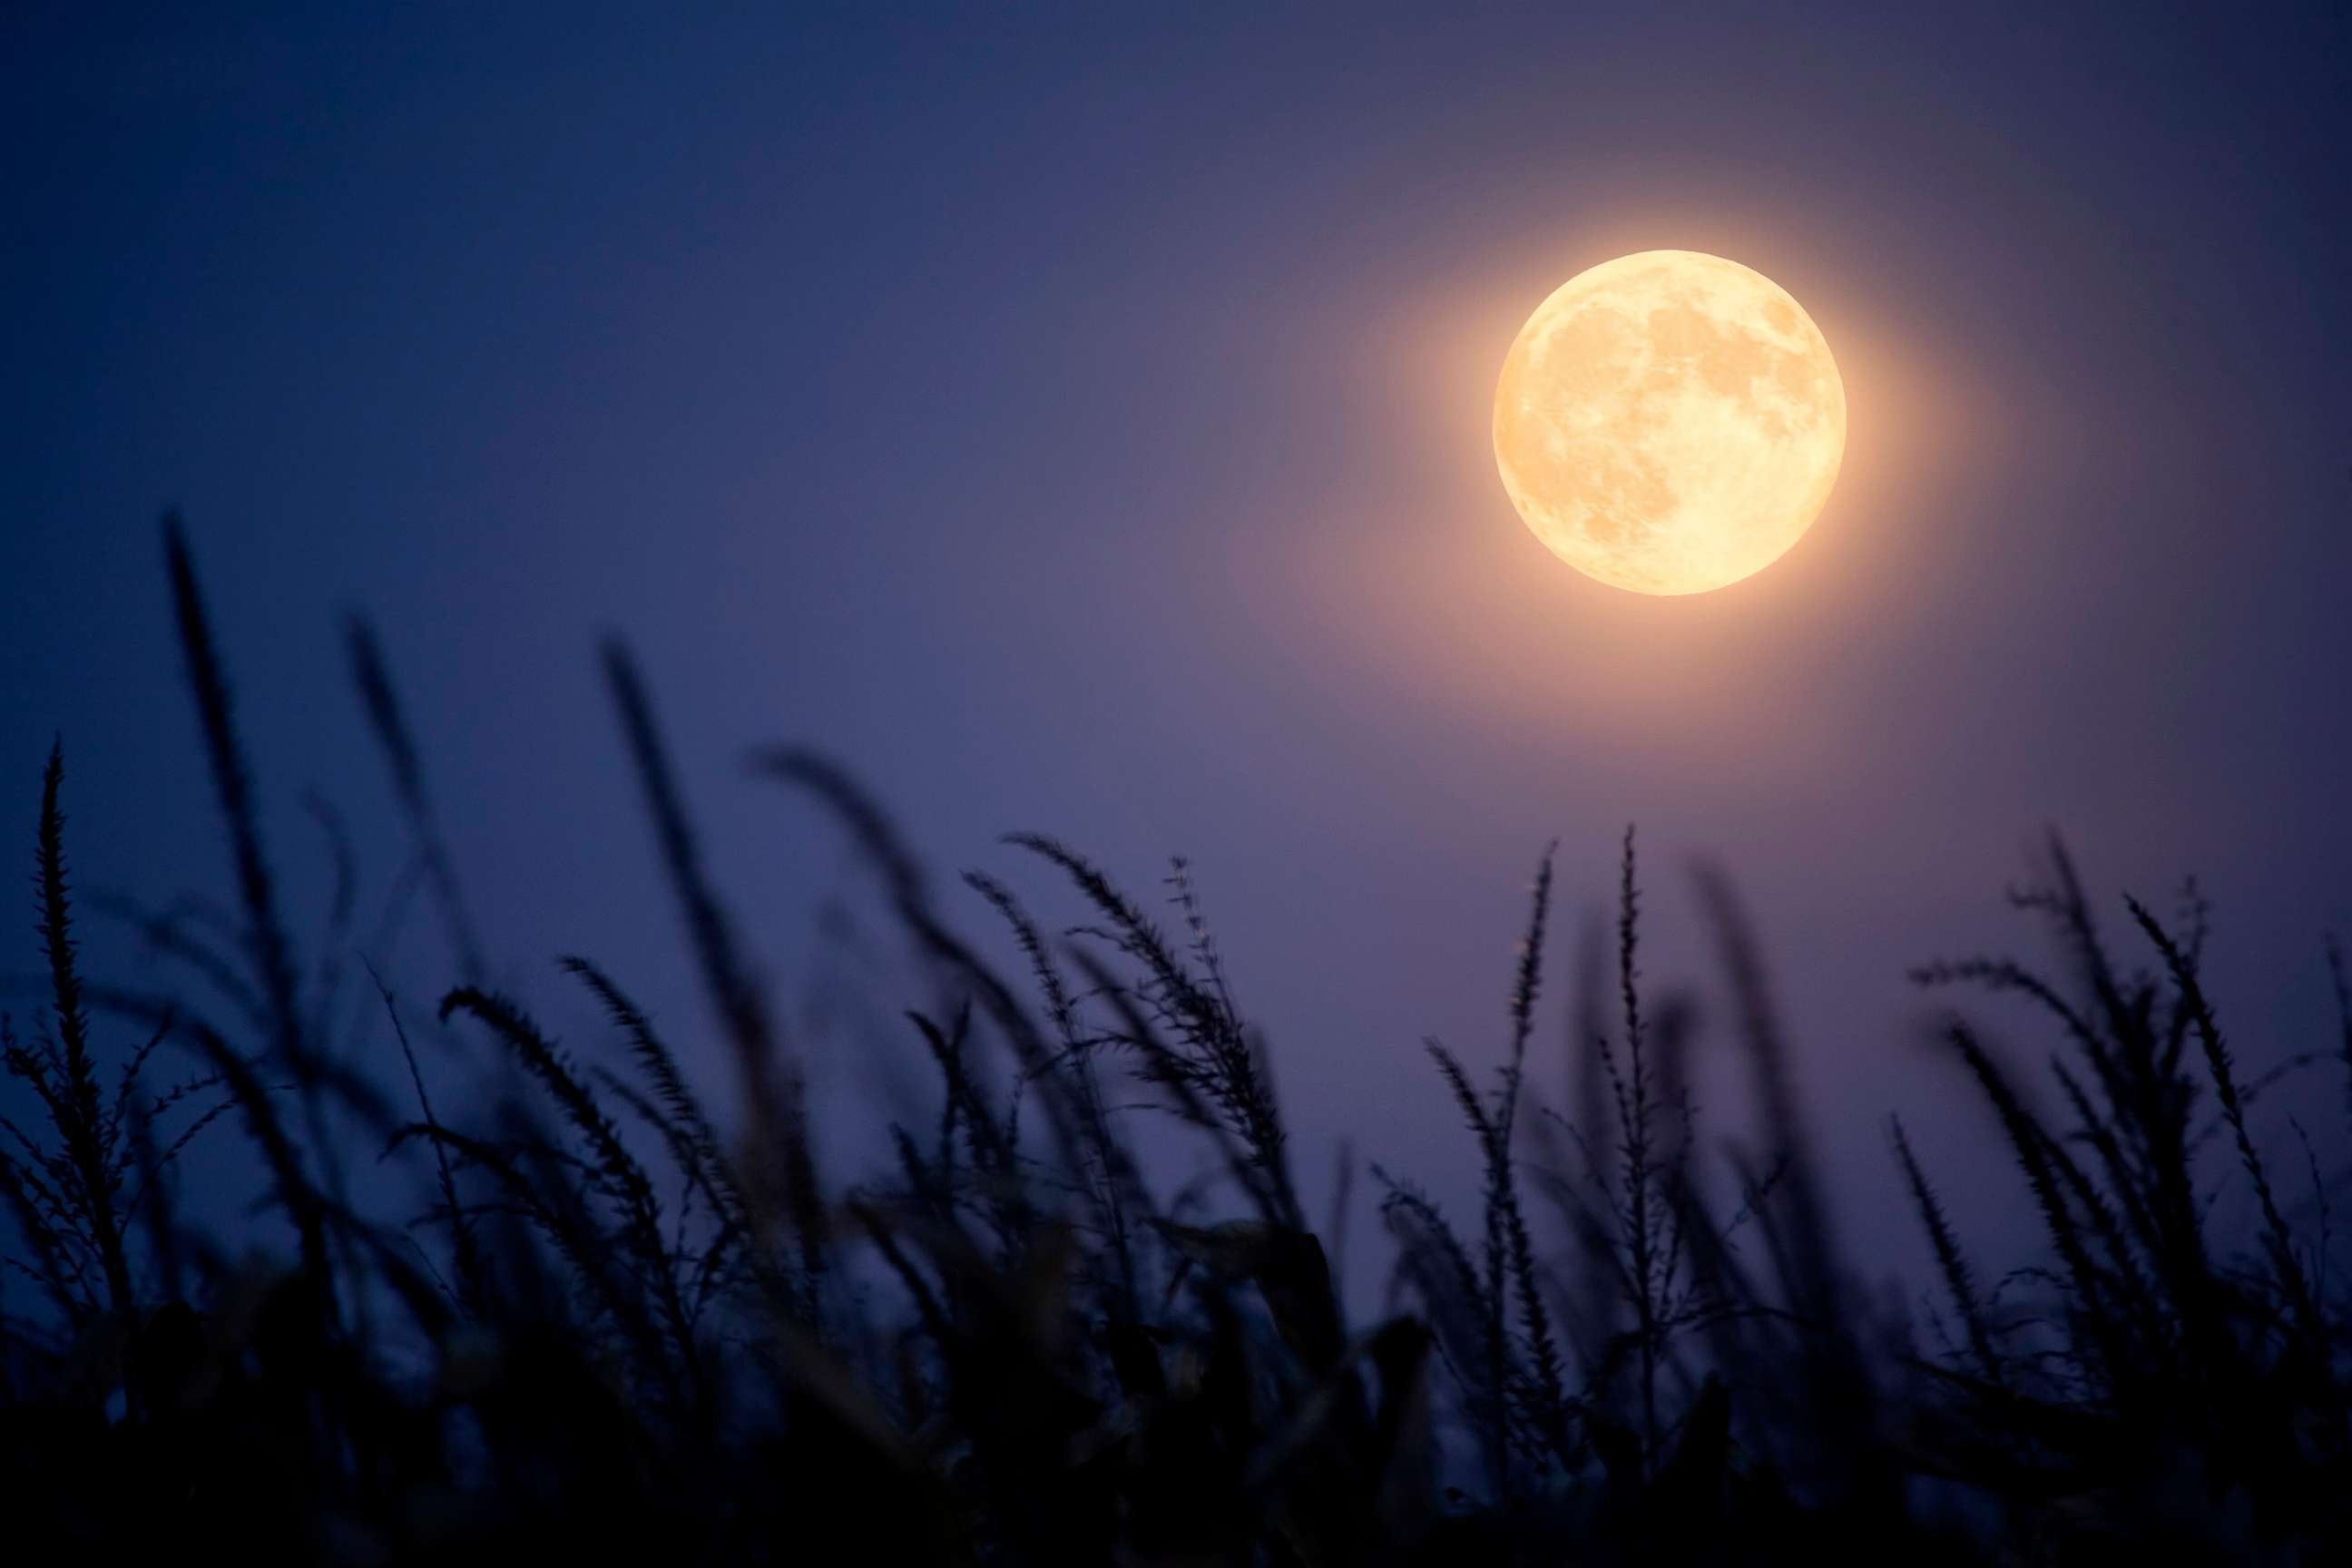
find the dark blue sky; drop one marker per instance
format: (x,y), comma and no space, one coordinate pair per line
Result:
(1078,419)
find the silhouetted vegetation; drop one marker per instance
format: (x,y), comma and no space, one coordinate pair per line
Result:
(596,1317)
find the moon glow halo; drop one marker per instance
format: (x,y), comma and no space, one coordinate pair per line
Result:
(1669,422)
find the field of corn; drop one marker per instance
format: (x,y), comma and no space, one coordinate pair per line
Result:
(615,1321)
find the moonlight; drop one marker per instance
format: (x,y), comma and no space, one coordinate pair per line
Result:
(1669,422)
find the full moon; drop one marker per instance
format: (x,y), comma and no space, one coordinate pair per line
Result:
(1669,422)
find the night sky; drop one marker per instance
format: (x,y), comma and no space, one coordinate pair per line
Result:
(1078,419)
